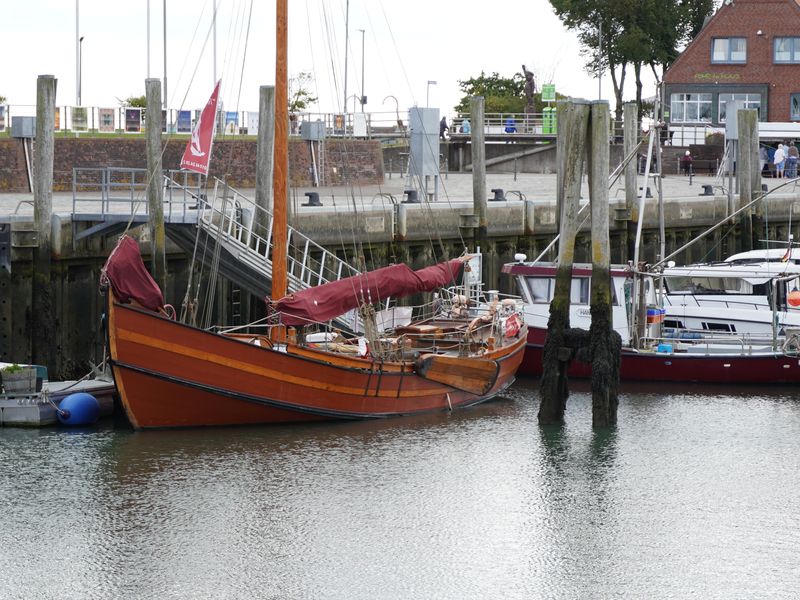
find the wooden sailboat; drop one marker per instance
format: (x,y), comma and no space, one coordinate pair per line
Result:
(170,374)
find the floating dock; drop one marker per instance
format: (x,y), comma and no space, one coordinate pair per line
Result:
(38,409)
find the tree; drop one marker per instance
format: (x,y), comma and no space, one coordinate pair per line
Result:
(501,94)
(299,94)
(2,99)
(134,101)
(618,33)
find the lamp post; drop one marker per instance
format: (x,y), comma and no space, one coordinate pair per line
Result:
(599,60)
(80,58)
(428,93)
(363,97)
(77,53)
(346,43)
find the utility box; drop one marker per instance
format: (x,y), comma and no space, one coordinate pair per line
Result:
(313,131)
(23,127)
(424,146)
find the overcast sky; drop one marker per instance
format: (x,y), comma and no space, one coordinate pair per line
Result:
(406,44)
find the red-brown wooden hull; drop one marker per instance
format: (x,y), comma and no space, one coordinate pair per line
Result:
(173,375)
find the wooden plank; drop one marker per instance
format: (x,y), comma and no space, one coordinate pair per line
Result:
(473,375)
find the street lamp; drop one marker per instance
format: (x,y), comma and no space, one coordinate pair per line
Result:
(77,53)
(363,97)
(354,97)
(80,58)
(428,93)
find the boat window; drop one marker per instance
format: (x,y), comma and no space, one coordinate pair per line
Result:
(709,285)
(540,289)
(579,293)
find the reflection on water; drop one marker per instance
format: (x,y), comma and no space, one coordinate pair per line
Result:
(694,494)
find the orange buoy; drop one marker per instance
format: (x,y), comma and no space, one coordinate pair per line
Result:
(793,298)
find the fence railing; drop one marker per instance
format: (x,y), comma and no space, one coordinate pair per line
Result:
(100,192)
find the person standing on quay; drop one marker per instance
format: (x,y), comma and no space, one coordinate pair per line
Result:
(792,156)
(779,160)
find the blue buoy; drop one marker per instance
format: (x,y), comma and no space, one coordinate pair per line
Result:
(79,409)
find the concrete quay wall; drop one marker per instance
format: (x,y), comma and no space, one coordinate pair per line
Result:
(414,234)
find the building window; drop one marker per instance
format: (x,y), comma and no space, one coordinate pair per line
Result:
(794,107)
(690,108)
(787,50)
(729,50)
(748,101)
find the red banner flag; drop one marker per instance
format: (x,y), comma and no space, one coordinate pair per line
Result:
(198,150)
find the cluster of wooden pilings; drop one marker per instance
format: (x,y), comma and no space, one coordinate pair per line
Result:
(583,139)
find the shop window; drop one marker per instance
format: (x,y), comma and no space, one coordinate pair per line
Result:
(690,108)
(748,101)
(794,107)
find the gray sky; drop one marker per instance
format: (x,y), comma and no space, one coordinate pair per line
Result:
(406,44)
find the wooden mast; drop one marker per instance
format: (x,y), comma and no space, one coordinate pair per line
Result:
(281,162)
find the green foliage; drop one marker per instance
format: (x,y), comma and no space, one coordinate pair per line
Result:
(617,33)
(15,368)
(300,97)
(501,94)
(2,99)
(134,101)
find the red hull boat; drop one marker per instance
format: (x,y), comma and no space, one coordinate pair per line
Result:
(732,367)
(173,375)
(683,356)
(170,374)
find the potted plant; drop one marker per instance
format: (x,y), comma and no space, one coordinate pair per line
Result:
(18,379)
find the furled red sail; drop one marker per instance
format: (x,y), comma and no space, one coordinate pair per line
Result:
(129,278)
(330,300)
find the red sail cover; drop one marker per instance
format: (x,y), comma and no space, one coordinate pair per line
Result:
(330,300)
(198,150)
(129,277)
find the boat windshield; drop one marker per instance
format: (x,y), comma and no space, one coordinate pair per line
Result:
(683,284)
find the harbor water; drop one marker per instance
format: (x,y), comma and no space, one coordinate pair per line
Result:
(696,494)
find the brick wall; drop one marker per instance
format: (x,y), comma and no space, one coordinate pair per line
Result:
(744,18)
(13,177)
(356,162)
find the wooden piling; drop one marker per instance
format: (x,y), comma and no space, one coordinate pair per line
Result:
(605,344)
(630,140)
(478,169)
(748,171)
(265,147)
(43,352)
(573,119)
(155,184)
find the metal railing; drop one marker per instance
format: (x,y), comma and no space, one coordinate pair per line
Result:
(239,221)
(103,192)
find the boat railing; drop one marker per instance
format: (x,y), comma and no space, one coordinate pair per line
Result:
(722,300)
(709,342)
(239,221)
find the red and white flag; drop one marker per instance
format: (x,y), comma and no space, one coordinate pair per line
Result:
(198,151)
